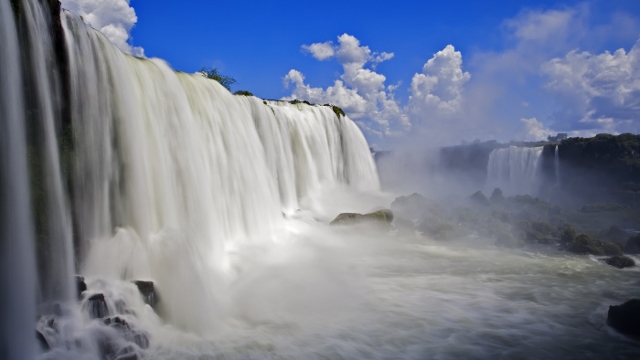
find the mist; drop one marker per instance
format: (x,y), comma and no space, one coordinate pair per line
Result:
(154,214)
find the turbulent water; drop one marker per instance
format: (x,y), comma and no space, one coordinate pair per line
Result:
(223,202)
(515,170)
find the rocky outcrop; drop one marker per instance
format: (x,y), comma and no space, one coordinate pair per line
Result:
(138,337)
(497,197)
(479,198)
(42,341)
(97,306)
(620,262)
(382,217)
(582,244)
(81,286)
(602,168)
(626,317)
(148,292)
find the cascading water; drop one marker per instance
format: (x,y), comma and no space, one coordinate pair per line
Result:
(183,171)
(515,170)
(222,201)
(188,172)
(17,262)
(556,164)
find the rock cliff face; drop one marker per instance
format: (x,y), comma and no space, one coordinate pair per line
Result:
(468,160)
(602,168)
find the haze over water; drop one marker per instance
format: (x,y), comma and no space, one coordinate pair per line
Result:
(224,202)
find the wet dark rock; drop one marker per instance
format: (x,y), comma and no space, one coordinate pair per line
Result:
(479,198)
(97,306)
(620,262)
(110,350)
(81,286)
(148,292)
(626,317)
(42,341)
(136,336)
(497,197)
(127,353)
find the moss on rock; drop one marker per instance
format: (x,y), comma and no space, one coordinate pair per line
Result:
(582,244)
(382,216)
(620,262)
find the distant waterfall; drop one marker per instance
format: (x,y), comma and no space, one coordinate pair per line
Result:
(163,173)
(556,163)
(515,170)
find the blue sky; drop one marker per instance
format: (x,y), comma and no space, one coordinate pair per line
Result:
(437,72)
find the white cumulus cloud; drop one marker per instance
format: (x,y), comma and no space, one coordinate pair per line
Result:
(113,18)
(360,92)
(534,130)
(320,51)
(439,87)
(597,92)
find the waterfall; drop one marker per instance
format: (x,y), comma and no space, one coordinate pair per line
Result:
(17,260)
(186,171)
(165,174)
(515,170)
(556,163)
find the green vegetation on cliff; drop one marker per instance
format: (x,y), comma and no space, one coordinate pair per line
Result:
(243,93)
(604,167)
(213,74)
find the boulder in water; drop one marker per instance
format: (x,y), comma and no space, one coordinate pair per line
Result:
(626,317)
(479,198)
(42,341)
(81,286)
(497,197)
(97,306)
(139,337)
(620,262)
(148,292)
(383,216)
(582,244)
